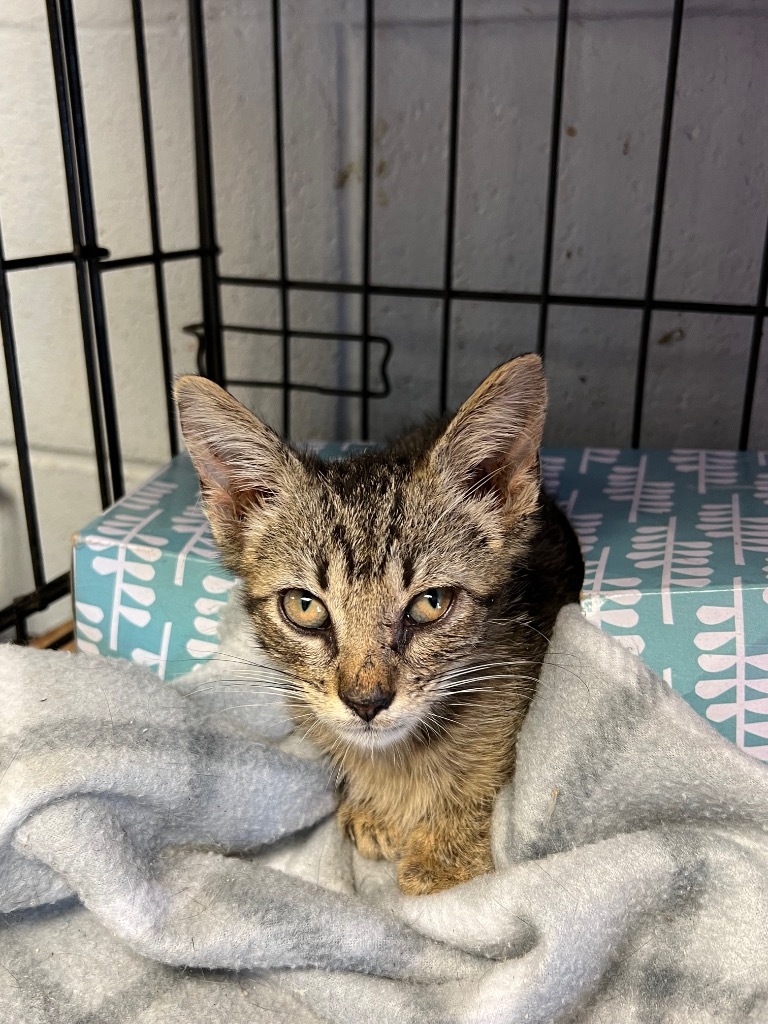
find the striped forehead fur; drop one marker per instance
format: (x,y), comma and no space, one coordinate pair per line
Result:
(379,508)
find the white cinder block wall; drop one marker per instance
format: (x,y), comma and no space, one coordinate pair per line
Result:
(717,203)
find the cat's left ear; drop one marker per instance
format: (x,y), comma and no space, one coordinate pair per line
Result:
(491,446)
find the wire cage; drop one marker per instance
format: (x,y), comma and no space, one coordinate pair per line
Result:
(92,262)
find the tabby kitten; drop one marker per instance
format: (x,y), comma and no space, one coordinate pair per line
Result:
(410,594)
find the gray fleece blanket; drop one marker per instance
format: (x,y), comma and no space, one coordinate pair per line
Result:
(169,854)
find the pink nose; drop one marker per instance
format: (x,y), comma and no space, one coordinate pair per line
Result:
(368,705)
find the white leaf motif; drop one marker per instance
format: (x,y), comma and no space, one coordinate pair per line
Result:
(717,662)
(201,648)
(91,612)
(89,632)
(137,616)
(712,615)
(141,595)
(711,641)
(217,584)
(205,626)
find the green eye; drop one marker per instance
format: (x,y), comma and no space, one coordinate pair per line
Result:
(304,609)
(430,605)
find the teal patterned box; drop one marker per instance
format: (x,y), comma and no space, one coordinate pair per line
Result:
(676,551)
(675,544)
(147,581)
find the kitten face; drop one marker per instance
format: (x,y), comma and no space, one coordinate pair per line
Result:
(366,540)
(370,580)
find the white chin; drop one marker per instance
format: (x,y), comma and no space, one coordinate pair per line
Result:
(369,737)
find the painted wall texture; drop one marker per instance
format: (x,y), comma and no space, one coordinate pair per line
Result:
(713,231)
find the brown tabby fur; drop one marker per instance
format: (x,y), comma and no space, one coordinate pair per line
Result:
(456,505)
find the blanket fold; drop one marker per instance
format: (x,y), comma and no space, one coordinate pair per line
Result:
(182,830)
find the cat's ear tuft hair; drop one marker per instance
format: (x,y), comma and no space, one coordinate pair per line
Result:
(491,445)
(242,463)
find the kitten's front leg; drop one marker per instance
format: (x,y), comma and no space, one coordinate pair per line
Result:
(374,838)
(446,850)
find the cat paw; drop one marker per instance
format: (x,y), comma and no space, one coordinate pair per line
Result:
(373,840)
(419,877)
(425,869)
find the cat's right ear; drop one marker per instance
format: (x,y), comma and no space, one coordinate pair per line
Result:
(242,463)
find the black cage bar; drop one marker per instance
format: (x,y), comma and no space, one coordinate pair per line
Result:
(91,260)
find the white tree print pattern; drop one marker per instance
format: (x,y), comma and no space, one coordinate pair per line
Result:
(147,497)
(552,467)
(712,468)
(601,456)
(125,550)
(631,484)
(192,521)
(157,660)
(601,592)
(748,533)
(744,671)
(586,525)
(88,622)
(208,607)
(761,486)
(682,563)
